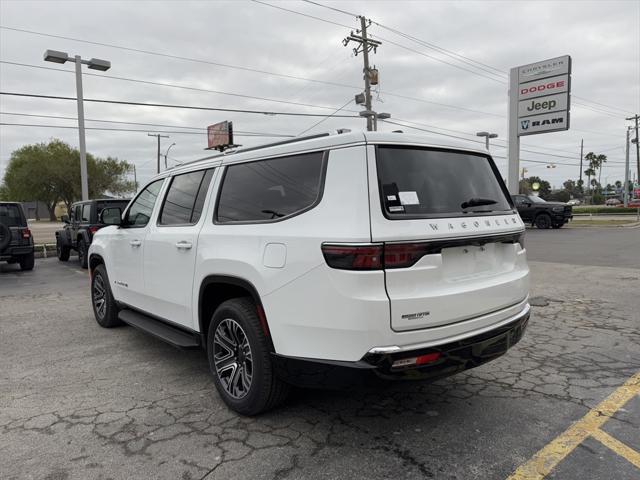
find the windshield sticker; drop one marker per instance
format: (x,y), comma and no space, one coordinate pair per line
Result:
(409,198)
(391,198)
(396,209)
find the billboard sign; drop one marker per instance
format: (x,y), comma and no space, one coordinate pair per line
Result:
(220,136)
(543,96)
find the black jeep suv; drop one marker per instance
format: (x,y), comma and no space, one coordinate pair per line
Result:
(16,241)
(83,221)
(541,213)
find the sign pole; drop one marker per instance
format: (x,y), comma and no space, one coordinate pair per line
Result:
(514,140)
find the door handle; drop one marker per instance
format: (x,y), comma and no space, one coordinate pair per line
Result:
(135,243)
(184,245)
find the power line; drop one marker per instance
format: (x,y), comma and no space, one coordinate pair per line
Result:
(165,105)
(121,129)
(254,70)
(171,85)
(201,129)
(325,118)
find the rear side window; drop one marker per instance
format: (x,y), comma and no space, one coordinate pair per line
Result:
(11,216)
(269,190)
(140,211)
(86,212)
(185,198)
(417,182)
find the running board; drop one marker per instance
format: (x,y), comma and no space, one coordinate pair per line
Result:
(172,335)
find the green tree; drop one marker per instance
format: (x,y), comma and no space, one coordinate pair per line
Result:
(50,172)
(595,164)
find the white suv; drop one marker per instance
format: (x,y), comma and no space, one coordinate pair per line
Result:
(325,260)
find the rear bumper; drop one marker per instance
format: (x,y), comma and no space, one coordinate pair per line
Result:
(376,365)
(12,252)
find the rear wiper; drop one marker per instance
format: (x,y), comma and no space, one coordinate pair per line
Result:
(476,202)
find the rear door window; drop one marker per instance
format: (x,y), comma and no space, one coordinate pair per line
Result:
(11,216)
(86,212)
(421,183)
(185,198)
(269,190)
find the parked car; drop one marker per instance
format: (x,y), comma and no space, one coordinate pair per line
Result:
(320,261)
(80,226)
(612,202)
(541,213)
(573,202)
(16,241)
(634,203)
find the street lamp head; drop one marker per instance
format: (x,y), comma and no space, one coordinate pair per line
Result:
(97,64)
(482,134)
(493,135)
(55,56)
(384,116)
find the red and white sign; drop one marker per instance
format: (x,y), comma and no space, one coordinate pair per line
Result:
(547,86)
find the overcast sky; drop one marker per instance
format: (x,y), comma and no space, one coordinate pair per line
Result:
(603,38)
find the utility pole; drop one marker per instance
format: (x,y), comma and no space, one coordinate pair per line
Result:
(626,171)
(135,177)
(365,45)
(636,117)
(581,156)
(158,136)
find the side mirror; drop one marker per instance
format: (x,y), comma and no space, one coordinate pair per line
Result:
(65,218)
(111,216)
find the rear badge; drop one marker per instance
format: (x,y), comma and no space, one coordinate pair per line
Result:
(415,316)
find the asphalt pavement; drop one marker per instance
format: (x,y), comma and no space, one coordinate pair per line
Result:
(82,402)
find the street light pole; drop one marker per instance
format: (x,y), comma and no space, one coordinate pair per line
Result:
(94,64)
(487,136)
(84,178)
(166,154)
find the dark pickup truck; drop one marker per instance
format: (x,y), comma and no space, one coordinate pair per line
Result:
(16,241)
(541,213)
(82,222)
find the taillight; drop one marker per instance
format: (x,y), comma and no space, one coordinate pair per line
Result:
(402,255)
(26,233)
(93,230)
(353,257)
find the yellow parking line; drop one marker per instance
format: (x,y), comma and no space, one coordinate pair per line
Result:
(546,459)
(618,447)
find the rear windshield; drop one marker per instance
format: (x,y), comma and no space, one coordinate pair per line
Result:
(11,216)
(416,182)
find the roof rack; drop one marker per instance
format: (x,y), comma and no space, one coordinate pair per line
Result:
(259,147)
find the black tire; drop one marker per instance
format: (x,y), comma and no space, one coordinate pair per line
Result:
(105,308)
(558,225)
(27,262)
(543,221)
(63,251)
(83,253)
(245,380)
(5,236)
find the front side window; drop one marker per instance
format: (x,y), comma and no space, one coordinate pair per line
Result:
(418,182)
(185,198)
(76,213)
(269,190)
(139,212)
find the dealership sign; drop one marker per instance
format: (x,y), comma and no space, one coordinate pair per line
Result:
(539,102)
(543,96)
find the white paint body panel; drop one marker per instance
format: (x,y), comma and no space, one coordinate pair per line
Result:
(315,311)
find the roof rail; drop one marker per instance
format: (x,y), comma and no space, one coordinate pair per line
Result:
(259,147)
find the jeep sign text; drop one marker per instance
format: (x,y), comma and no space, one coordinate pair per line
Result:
(538,105)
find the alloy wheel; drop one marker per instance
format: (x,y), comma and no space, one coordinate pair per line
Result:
(232,358)
(99,296)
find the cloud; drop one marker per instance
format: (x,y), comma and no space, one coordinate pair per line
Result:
(602,37)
